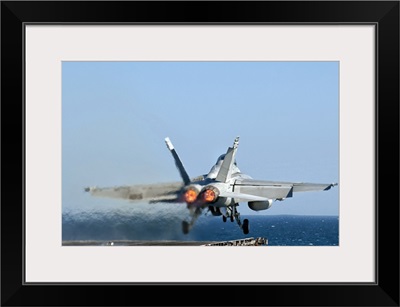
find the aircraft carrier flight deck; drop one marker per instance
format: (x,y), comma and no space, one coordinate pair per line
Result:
(239,242)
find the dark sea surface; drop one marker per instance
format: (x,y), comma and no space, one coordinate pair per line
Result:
(279,230)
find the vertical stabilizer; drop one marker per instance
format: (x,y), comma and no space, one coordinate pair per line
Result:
(225,171)
(178,162)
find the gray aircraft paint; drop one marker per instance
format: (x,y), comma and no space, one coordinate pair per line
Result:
(224,182)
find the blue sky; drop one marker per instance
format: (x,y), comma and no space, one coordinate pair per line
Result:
(115,116)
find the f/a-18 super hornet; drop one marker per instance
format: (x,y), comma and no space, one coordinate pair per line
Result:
(219,192)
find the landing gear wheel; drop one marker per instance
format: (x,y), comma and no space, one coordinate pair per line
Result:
(224,218)
(232,218)
(245,226)
(185,227)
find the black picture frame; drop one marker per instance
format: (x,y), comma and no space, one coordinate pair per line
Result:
(383,14)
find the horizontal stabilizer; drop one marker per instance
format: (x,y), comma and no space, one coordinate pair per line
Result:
(144,192)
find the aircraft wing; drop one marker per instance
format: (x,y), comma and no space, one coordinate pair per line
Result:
(163,192)
(277,189)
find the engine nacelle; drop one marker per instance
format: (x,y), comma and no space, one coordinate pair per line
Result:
(260,205)
(209,194)
(191,193)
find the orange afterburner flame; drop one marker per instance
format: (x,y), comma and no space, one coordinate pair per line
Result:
(209,195)
(190,196)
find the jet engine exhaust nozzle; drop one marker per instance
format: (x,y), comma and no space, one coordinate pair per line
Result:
(210,194)
(190,196)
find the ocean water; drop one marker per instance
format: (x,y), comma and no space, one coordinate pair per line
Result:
(279,230)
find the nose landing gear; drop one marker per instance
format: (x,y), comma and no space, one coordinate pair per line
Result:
(234,214)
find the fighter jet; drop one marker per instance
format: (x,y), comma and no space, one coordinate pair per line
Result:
(219,191)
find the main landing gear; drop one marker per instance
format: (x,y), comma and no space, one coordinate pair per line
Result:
(231,213)
(234,215)
(245,226)
(186,226)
